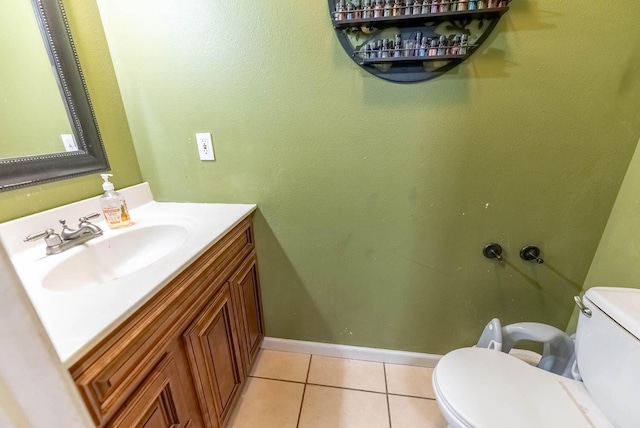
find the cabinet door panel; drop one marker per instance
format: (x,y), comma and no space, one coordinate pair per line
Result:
(246,288)
(214,356)
(163,399)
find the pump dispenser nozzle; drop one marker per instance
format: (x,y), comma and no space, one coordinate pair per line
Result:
(107,185)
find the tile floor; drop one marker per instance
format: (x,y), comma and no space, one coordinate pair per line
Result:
(288,390)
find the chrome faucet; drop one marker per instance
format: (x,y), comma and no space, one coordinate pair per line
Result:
(68,238)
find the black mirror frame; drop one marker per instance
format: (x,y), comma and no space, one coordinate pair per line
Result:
(91,157)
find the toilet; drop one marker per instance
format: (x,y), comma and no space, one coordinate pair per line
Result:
(484,388)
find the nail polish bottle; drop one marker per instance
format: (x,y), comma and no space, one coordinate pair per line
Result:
(357,12)
(433,49)
(397,46)
(416,43)
(481,5)
(464,41)
(407,7)
(340,10)
(462,5)
(492,4)
(366,8)
(397,8)
(502,3)
(412,48)
(426,7)
(453,5)
(435,6)
(349,11)
(378,9)
(417,7)
(423,47)
(455,50)
(442,49)
(444,6)
(472,4)
(373,50)
(387,8)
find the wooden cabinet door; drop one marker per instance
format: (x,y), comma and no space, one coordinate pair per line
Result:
(165,399)
(214,356)
(246,289)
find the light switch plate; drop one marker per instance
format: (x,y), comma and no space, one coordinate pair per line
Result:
(205,146)
(69,142)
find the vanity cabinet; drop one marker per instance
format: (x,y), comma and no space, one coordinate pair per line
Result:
(214,355)
(181,359)
(164,399)
(246,287)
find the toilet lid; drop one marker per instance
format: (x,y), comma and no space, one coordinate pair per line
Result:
(620,304)
(486,388)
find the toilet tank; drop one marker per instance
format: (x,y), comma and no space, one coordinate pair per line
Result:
(608,352)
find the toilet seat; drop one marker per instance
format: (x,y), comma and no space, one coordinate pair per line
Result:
(477,387)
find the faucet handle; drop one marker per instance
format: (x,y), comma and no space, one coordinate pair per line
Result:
(50,237)
(86,218)
(36,236)
(85,223)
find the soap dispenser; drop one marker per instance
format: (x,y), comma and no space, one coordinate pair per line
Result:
(113,205)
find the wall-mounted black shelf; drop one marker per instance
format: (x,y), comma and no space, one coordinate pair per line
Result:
(390,21)
(410,59)
(354,35)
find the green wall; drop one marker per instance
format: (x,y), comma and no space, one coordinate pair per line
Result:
(376,198)
(617,260)
(103,88)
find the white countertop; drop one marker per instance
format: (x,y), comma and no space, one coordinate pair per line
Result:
(76,320)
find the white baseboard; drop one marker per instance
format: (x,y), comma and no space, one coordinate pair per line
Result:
(351,352)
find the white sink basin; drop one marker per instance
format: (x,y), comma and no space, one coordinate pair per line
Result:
(84,293)
(103,260)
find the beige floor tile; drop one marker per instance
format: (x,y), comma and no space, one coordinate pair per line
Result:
(410,412)
(267,403)
(356,374)
(326,407)
(281,365)
(409,380)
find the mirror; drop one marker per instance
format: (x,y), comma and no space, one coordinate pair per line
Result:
(48,130)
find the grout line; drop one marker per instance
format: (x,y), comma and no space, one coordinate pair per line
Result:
(308,368)
(276,379)
(344,387)
(413,396)
(304,390)
(386,388)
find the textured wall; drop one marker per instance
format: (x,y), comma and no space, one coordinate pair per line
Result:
(376,198)
(105,96)
(617,261)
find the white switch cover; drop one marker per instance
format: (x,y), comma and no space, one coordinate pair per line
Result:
(205,146)
(69,142)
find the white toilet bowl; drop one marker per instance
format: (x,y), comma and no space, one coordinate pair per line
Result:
(477,387)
